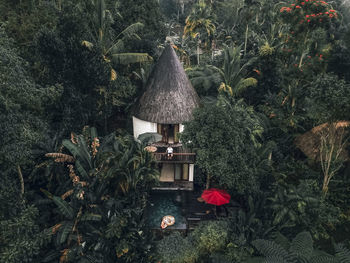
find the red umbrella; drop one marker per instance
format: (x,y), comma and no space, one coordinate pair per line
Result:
(216,196)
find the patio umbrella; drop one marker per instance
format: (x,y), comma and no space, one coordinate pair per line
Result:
(216,196)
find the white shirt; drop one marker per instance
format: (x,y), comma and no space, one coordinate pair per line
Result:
(170,150)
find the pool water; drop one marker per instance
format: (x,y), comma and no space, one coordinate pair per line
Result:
(165,203)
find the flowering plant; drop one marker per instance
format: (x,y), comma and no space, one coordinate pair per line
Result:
(308,13)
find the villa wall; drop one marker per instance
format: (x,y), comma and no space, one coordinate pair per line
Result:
(181,128)
(141,126)
(191,172)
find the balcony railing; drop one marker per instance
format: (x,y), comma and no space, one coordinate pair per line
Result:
(177,157)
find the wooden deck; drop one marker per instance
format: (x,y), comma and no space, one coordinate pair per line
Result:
(173,186)
(180,155)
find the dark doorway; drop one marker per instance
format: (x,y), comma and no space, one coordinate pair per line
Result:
(169,132)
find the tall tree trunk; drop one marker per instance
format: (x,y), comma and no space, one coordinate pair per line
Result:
(208,182)
(246,40)
(198,52)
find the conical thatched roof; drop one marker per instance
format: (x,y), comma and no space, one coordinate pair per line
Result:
(310,142)
(169,97)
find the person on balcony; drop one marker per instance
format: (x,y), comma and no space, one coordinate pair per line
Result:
(170,152)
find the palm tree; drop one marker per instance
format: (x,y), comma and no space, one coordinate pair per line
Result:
(113,47)
(199,24)
(233,75)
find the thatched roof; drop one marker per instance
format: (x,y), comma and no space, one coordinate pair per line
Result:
(309,143)
(169,97)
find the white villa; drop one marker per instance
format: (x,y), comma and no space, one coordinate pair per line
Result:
(168,102)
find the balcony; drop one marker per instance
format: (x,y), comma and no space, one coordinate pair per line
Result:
(180,155)
(176,158)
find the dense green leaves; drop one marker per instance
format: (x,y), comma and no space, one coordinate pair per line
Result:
(22,105)
(225,139)
(325,92)
(74,63)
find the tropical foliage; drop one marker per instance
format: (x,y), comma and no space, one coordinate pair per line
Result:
(269,74)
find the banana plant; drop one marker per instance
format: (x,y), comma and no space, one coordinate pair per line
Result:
(128,164)
(93,209)
(296,205)
(113,46)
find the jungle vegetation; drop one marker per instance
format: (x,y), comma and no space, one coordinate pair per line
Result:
(272,77)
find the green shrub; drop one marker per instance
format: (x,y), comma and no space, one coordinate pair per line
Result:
(176,249)
(211,236)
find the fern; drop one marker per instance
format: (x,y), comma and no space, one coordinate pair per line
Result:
(323,259)
(302,245)
(342,253)
(300,251)
(282,240)
(270,249)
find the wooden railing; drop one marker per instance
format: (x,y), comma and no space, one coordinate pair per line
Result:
(177,157)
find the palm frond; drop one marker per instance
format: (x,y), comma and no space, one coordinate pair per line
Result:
(100,11)
(130,58)
(65,209)
(64,231)
(245,83)
(91,217)
(131,30)
(117,47)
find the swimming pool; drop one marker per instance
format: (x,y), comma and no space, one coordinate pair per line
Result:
(162,203)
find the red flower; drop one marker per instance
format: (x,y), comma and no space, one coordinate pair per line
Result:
(326,13)
(308,20)
(302,3)
(307,16)
(297,6)
(332,10)
(330,15)
(321,55)
(313,15)
(288,9)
